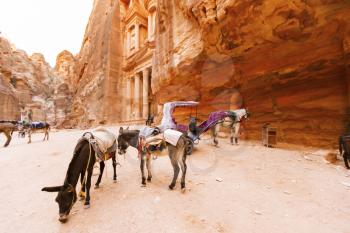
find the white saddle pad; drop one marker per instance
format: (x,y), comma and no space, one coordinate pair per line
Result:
(105,139)
(146,131)
(172,136)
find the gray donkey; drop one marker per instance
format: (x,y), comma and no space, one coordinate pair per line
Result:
(177,155)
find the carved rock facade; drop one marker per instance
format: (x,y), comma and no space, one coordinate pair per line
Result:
(287,61)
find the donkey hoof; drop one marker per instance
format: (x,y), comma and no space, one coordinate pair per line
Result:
(143,185)
(86,206)
(97,186)
(183,190)
(115,181)
(149,179)
(171,187)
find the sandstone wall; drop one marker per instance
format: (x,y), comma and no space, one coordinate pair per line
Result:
(288,59)
(9,103)
(65,66)
(27,82)
(97,68)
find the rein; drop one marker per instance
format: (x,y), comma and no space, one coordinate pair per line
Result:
(85,174)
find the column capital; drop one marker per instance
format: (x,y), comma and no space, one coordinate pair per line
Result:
(137,75)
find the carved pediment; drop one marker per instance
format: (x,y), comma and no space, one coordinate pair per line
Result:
(135,10)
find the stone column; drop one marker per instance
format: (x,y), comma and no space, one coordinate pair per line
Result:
(128,99)
(128,38)
(137,96)
(137,36)
(145,89)
(154,15)
(149,27)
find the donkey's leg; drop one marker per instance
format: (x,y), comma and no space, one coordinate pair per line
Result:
(236,131)
(88,186)
(148,165)
(82,193)
(46,134)
(29,136)
(346,157)
(8,136)
(142,167)
(114,164)
(182,162)
(102,167)
(214,132)
(174,162)
(232,133)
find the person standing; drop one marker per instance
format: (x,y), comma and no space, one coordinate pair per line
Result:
(30,116)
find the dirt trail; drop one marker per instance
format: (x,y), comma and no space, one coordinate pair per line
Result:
(245,188)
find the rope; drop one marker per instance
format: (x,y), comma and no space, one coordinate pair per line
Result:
(84,180)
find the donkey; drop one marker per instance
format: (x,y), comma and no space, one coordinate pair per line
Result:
(7,128)
(37,126)
(82,165)
(344,149)
(177,155)
(233,123)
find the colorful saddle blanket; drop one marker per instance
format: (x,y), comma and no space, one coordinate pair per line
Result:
(213,119)
(38,125)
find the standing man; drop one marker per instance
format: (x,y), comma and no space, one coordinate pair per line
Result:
(30,116)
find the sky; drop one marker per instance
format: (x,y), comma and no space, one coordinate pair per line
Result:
(45,26)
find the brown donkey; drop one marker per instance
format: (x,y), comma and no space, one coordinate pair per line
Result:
(7,128)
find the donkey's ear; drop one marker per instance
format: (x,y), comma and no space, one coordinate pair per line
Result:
(52,189)
(120,130)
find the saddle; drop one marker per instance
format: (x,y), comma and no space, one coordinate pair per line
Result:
(103,142)
(152,140)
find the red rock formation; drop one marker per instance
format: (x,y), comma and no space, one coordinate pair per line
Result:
(28,82)
(65,66)
(9,103)
(97,69)
(288,59)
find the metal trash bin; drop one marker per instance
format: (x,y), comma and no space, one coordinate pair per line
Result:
(269,135)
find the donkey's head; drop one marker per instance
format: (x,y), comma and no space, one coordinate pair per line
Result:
(247,114)
(122,141)
(66,198)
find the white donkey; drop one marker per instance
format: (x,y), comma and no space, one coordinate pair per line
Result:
(233,123)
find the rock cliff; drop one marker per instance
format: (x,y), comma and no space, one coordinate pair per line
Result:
(97,68)
(27,82)
(289,60)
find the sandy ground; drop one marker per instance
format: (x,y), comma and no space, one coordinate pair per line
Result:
(245,188)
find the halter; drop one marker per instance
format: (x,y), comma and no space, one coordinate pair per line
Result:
(74,194)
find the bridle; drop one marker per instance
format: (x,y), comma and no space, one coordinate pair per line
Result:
(74,195)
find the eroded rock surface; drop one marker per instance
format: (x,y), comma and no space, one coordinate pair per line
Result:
(28,83)
(288,59)
(97,69)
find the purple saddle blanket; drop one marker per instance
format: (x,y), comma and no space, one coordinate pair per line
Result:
(214,118)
